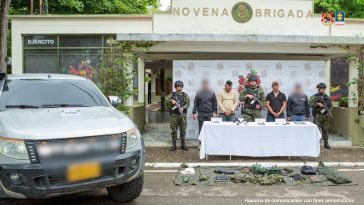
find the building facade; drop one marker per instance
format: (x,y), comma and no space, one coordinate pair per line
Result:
(204,30)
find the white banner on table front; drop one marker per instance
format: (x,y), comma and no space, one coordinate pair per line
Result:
(288,73)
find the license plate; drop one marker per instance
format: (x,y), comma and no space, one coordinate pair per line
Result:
(79,172)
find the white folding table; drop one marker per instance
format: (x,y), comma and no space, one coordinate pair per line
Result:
(254,140)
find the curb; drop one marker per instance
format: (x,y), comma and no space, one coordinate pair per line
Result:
(248,164)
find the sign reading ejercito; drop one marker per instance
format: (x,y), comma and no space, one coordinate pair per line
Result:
(242,12)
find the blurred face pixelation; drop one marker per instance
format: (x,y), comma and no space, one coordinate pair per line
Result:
(298,89)
(205,84)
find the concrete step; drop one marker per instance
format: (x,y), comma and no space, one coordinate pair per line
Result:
(339,141)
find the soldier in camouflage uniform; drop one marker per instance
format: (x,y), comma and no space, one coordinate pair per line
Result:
(252,108)
(178,103)
(321,105)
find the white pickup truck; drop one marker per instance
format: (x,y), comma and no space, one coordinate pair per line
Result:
(59,134)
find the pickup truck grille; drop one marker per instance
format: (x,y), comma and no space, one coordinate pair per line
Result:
(73,148)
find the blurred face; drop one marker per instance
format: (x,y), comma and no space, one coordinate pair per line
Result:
(253,83)
(205,85)
(322,90)
(179,88)
(298,90)
(275,87)
(228,88)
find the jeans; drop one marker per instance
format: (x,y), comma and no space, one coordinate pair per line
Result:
(202,119)
(229,118)
(296,118)
(271,118)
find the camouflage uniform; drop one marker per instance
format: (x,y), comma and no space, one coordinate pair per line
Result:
(249,112)
(321,119)
(178,120)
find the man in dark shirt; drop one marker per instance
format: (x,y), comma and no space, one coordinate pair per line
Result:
(276,103)
(205,104)
(298,107)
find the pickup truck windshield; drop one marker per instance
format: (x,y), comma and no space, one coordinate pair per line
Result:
(52,93)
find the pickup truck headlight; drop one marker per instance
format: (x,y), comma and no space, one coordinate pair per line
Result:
(133,138)
(13,148)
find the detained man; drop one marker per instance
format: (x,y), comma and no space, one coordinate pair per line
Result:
(276,103)
(228,100)
(298,107)
(205,104)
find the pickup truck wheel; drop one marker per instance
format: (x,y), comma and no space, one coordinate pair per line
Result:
(128,191)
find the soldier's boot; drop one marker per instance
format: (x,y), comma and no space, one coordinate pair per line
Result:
(174,146)
(183,145)
(326,144)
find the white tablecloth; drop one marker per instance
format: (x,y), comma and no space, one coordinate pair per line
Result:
(255,140)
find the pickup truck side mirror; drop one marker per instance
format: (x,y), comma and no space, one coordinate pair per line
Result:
(114,100)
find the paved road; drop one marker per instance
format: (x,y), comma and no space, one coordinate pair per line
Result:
(160,190)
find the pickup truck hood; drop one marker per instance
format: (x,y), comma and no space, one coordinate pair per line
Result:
(57,123)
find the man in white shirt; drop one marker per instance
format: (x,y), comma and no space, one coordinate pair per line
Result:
(228,100)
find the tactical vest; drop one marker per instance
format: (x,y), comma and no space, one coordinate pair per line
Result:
(248,102)
(321,98)
(181,100)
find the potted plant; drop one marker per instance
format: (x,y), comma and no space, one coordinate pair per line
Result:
(343,102)
(335,103)
(336,94)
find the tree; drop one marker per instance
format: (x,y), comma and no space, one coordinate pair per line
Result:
(356,55)
(4,11)
(114,77)
(88,6)
(352,9)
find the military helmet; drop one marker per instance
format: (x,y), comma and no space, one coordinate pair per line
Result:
(252,78)
(178,83)
(321,85)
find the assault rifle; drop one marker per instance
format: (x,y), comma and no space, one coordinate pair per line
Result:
(177,105)
(253,102)
(256,99)
(326,109)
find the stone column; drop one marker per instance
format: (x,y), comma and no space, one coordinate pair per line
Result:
(353,89)
(328,77)
(141,83)
(129,101)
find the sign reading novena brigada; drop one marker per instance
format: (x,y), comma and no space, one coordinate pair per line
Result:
(266,17)
(241,11)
